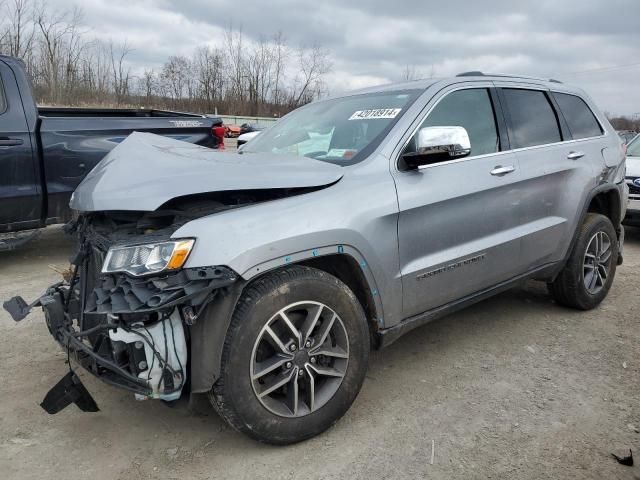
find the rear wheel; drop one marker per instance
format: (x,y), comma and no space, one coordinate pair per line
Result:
(587,277)
(294,358)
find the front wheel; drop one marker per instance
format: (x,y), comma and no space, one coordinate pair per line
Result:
(587,277)
(294,357)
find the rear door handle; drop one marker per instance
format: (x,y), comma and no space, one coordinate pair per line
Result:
(500,171)
(10,142)
(575,155)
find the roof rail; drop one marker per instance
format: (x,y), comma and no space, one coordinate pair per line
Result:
(476,73)
(472,73)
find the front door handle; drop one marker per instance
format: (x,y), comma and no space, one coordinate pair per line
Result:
(500,171)
(10,142)
(575,155)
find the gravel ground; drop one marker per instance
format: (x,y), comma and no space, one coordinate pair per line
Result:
(514,387)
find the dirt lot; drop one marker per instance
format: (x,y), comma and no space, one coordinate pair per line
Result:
(515,387)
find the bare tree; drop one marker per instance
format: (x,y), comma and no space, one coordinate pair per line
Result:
(240,75)
(313,64)
(259,68)
(236,63)
(280,57)
(56,29)
(174,77)
(410,73)
(209,64)
(19,32)
(120,72)
(148,84)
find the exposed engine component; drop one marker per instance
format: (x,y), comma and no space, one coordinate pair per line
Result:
(157,353)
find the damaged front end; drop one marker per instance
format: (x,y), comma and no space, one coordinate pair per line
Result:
(125,309)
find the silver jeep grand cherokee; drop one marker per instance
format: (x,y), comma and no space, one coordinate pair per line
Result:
(263,278)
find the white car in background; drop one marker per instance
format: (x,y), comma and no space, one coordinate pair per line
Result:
(633,181)
(245,137)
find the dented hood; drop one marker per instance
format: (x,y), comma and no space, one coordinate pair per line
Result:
(146,171)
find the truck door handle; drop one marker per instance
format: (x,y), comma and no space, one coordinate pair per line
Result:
(10,142)
(575,155)
(500,171)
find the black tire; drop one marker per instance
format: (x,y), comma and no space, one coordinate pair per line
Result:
(233,395)
(569,288)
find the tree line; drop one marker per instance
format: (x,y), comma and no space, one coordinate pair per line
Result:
(626,123)
(239,76)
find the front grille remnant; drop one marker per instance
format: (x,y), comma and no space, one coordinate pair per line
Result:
(121,293)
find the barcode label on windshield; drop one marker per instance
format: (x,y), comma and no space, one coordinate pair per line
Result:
(375,113)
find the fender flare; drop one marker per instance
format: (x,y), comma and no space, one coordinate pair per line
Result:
(301,256)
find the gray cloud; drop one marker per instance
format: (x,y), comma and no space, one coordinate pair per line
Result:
(372,41)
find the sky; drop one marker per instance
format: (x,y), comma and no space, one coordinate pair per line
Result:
(594,44)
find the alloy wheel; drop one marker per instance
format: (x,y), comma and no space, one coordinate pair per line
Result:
(597,262)
(299,359)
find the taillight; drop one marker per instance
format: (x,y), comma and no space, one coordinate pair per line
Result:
(218,132)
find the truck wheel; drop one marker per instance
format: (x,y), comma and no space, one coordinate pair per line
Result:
(294,357)
(587,277)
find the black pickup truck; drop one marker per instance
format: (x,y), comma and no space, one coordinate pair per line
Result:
(46,152)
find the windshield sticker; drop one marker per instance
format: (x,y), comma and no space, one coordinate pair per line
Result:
(337,153)
(375,113)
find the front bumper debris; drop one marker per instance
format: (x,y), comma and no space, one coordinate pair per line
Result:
(128,332)
(67,391)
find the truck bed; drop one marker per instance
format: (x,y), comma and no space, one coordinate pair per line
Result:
(73,141)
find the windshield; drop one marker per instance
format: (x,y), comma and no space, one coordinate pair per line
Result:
(633,149)
(341,131)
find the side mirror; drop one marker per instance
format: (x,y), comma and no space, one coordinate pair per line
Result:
(438,144)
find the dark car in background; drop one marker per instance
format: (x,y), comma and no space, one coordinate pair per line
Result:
(250,127)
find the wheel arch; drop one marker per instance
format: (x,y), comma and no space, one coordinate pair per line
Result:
(604,199)
(342,261)
(208,334)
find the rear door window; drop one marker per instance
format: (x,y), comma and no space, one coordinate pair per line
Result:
(533,120)
(580,119)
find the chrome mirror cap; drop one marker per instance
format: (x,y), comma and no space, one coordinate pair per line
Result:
(453,141)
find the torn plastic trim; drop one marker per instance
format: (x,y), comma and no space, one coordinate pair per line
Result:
(60,323)
(120,293)
(62,307)
(67,391)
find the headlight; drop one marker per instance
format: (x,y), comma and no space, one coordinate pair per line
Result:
(150,258)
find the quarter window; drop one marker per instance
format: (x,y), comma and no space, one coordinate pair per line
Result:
(471,109)
(3,102)
(580,119)
(533,121)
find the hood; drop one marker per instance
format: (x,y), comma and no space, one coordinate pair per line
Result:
(145,171)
